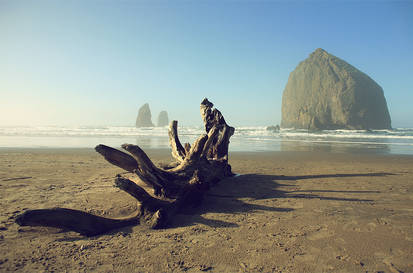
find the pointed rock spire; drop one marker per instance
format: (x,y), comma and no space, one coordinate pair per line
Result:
(144,118)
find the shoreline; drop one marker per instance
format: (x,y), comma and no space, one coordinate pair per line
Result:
(288,211)
(166,152)
(398,141)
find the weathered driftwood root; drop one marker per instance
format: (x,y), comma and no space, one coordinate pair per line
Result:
(176,187)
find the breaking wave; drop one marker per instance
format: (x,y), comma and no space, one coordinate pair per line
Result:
(245,138)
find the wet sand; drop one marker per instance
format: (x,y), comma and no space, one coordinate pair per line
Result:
(287,212)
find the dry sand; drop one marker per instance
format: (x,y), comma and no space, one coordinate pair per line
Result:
(287,212)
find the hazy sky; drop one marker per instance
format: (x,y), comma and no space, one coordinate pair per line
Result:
(97,62)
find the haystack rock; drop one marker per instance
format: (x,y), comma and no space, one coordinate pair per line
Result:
(325,92)
(163,119)
(144,118)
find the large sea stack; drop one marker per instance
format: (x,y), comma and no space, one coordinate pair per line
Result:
(325,92)
(144,118)
(163,119)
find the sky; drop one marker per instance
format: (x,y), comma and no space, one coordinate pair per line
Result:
(92,63)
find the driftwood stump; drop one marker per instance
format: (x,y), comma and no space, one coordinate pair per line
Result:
(175,187)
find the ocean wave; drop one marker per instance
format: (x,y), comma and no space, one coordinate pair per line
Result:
(244,135)
(161,131)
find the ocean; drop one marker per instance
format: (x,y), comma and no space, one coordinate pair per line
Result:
(396,141)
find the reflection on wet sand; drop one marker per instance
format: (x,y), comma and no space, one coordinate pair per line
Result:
(152,142)
(334,147)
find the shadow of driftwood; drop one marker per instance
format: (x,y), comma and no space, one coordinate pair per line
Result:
(256,187)
(124,232)
(240,193)
(282,177)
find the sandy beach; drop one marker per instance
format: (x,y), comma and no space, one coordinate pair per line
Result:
(286,212)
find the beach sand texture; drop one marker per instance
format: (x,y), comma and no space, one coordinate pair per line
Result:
(287,212)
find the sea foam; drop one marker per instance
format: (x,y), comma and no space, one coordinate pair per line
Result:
(246,138)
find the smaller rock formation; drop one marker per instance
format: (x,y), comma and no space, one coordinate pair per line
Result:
(144,118)
(163,119)
(273,128)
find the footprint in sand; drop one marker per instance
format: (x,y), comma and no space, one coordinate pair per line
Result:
(292,204)
(371,226)
(391,266)
(352,226)
(387,260)
(307,257)
(320,234)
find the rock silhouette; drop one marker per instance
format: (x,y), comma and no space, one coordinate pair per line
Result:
(273,128)
(144,118)
(163,119)
(325,92)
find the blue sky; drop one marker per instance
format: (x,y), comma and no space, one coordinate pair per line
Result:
(97,62)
